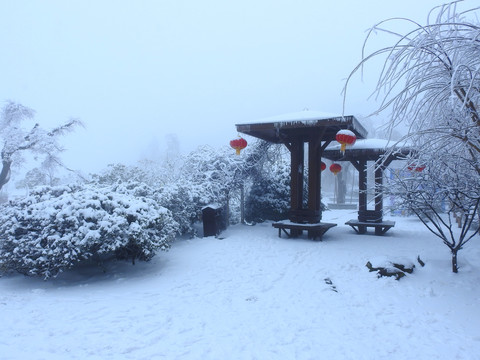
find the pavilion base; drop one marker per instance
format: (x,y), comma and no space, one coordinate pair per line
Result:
(381,227)
(314,231)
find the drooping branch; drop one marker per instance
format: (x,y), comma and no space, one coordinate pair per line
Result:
(425,66)
(462,95)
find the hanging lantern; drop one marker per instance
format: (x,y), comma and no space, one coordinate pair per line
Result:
(335,168)
(323,166)
(345,138)
(415,167)
(238,145)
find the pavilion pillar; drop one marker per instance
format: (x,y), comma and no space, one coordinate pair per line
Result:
(362,186)
(296,178)
(314,180)
(362,194)
(378,189)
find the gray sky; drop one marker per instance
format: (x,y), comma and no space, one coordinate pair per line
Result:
(136,71)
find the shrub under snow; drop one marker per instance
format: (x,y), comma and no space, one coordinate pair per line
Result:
(269,195)
(184,201)
(54,228)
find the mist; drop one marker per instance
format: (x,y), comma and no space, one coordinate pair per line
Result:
(140,73)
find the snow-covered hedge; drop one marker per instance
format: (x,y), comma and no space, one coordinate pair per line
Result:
(54,228)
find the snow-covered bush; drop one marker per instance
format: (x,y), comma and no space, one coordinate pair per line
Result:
(152,173)
(183,199)
(269,195)
(54,228)
(214,171)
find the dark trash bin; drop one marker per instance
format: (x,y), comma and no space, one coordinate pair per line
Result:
(214,220)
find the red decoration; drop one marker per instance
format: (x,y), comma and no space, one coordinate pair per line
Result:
(238,145)
(345,137)
(335,168)
(415,167)
(323,166)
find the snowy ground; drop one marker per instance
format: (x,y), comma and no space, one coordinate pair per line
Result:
(253,295)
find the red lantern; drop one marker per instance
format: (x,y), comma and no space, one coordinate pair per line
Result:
(335,168)
(238,145)
(415,167)
(323,166)
(345,137)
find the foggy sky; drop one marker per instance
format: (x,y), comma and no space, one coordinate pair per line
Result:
(136,72)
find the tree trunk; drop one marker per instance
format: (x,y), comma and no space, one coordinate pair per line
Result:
(5,173)
(242,203)
(454,261)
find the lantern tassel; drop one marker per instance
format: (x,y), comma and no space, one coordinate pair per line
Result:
(343,147)
(237,151)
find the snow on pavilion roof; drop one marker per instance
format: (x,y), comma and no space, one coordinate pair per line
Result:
(305,115)
(379,144)
(368,149)
(301,125)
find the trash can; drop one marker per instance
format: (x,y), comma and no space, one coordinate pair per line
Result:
(214,220)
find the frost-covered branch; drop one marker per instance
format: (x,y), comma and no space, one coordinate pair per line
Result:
(15,140)
(429,71)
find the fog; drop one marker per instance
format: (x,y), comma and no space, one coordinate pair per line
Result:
(147,75)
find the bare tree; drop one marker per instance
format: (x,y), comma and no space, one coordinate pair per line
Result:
(445,196)
(430,81)
(15,140)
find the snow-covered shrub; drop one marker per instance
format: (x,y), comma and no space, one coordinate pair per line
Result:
(182,198)
(269,195)
(120,173)
(211,176)
(135,189)
(213,171)
(184,201)
(54,228)
(152,173)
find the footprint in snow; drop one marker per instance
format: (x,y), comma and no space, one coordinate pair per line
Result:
(328,281)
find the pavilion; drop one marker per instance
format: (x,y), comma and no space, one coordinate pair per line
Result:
(316,130)
(381,153)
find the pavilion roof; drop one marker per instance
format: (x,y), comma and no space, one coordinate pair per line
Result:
(367,149)
(305,124)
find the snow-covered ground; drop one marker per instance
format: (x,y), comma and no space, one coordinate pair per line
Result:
(253,295)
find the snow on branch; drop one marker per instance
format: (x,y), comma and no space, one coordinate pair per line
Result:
(432,66)
(15,139)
